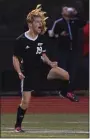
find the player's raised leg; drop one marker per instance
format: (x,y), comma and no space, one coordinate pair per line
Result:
(58,73)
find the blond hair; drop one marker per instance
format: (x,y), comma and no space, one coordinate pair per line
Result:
(38,13)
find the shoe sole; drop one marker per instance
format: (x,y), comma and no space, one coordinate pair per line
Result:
(73,100)
(19,131)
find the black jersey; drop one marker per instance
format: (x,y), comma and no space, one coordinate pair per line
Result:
(30,51)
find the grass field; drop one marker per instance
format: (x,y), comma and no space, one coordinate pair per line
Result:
(47,126)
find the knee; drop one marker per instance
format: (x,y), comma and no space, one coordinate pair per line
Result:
(66,76)
(24,103)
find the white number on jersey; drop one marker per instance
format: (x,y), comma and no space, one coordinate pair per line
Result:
(39,50)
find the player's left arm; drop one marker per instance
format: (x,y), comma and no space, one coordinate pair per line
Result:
(48,61)
(44,56)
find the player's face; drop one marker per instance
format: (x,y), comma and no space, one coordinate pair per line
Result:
(37,25)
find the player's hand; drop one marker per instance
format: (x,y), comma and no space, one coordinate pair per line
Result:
(64,33)
(54,64)
(21,76)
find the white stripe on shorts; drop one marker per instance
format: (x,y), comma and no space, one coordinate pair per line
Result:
(22,84)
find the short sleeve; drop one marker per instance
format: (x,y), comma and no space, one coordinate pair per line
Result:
(44,43)
(44,48)
(18,49)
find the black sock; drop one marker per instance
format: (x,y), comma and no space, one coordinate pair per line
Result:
(20,116)
(64,89)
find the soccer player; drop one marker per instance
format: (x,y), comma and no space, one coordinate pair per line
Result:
(30,47)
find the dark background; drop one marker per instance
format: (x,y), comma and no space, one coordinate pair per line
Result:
(12,24)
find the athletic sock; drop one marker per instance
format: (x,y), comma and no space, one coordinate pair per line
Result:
(65,87)
(20,116)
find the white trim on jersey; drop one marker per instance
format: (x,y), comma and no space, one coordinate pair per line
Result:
(28,37)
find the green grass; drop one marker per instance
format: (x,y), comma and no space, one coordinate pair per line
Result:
(38,125)
(18,135)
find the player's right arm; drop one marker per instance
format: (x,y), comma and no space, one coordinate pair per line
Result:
(18,50)
(16,65)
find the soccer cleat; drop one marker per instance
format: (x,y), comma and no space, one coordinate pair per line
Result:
(19,130)
(72,97)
